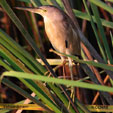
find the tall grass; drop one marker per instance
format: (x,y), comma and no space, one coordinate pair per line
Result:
(51,93)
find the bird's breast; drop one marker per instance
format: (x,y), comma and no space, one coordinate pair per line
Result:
(55,33)
(62,37)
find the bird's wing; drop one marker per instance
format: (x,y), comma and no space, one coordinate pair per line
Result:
(73,39)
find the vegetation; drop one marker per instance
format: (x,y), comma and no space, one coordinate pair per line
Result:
(23,41)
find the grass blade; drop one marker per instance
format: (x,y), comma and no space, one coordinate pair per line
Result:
(19,25)
(25,94)
(102,5)
(95,32)
(85,16)
(59,81)
(101,30)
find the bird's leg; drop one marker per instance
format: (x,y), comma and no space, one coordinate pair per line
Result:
(70,67)
(72,78)
(63,64)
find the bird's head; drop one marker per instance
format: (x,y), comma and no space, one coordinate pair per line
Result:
(46,11)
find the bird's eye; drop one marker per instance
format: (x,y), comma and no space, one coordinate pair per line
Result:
(44,10)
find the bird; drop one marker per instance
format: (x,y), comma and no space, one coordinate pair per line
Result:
(60,30)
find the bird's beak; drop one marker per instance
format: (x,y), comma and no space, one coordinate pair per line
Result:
(30,9)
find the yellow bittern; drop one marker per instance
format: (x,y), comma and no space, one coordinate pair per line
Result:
(60,30)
